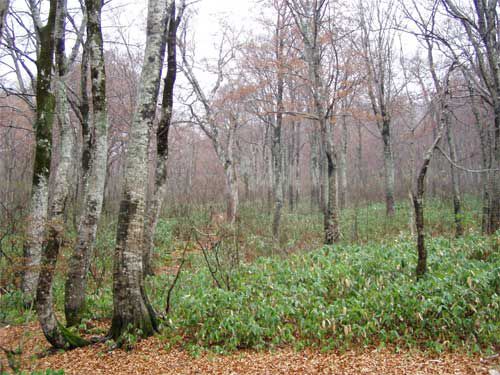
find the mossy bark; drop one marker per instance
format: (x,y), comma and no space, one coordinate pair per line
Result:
(94,182)
(131,309)
(45,109)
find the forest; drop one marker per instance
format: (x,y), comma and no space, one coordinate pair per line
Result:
(296,187)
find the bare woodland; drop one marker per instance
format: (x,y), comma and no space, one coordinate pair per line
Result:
(319,107)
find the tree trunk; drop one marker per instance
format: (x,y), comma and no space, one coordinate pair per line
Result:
(343,165)
(276,142)
(131,309)
(94,182)
(332,232)
(160,180)
(45,108)
(4,9)
(51,328)
(457,203)
(35,235)
(388,167)
(494,222)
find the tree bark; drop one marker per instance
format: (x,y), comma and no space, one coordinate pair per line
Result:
(388,167)
(131,309)
(4,9)
(343,165)
(455,184)
(52,329)
(79,264)
(45,108)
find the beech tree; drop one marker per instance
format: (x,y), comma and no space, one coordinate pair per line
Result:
(162,132)
(220,131)
(481,52)
(94,166)
(132,311)
(377,24)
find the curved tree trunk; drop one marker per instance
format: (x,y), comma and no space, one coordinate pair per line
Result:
(55,230)
(131,309)
(79,264)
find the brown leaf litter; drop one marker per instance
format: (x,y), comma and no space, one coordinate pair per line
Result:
(150,357)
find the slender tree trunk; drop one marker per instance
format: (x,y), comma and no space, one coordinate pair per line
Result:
(332,232)
(276,137)
(343,165)
(457,202)
(388,167)
(494,225)
(131,309)
(94,182)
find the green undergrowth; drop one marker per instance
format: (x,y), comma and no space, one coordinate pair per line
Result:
(343,296)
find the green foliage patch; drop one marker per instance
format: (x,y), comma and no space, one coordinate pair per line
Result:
(340,296)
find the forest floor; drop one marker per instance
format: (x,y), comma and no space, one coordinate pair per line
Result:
(150,357)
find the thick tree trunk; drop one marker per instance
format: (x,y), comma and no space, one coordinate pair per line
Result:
(35,235)
(131,309)
(45,108)
(94,182)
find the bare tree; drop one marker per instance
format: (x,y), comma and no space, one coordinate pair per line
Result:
(220,131)
(311,19)
(377,24)
(479,20)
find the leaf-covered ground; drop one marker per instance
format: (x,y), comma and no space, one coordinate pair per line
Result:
(150,357)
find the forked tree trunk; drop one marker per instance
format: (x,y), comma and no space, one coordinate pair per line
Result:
(51,328)
(79,264)
(131,309)
(160,181)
